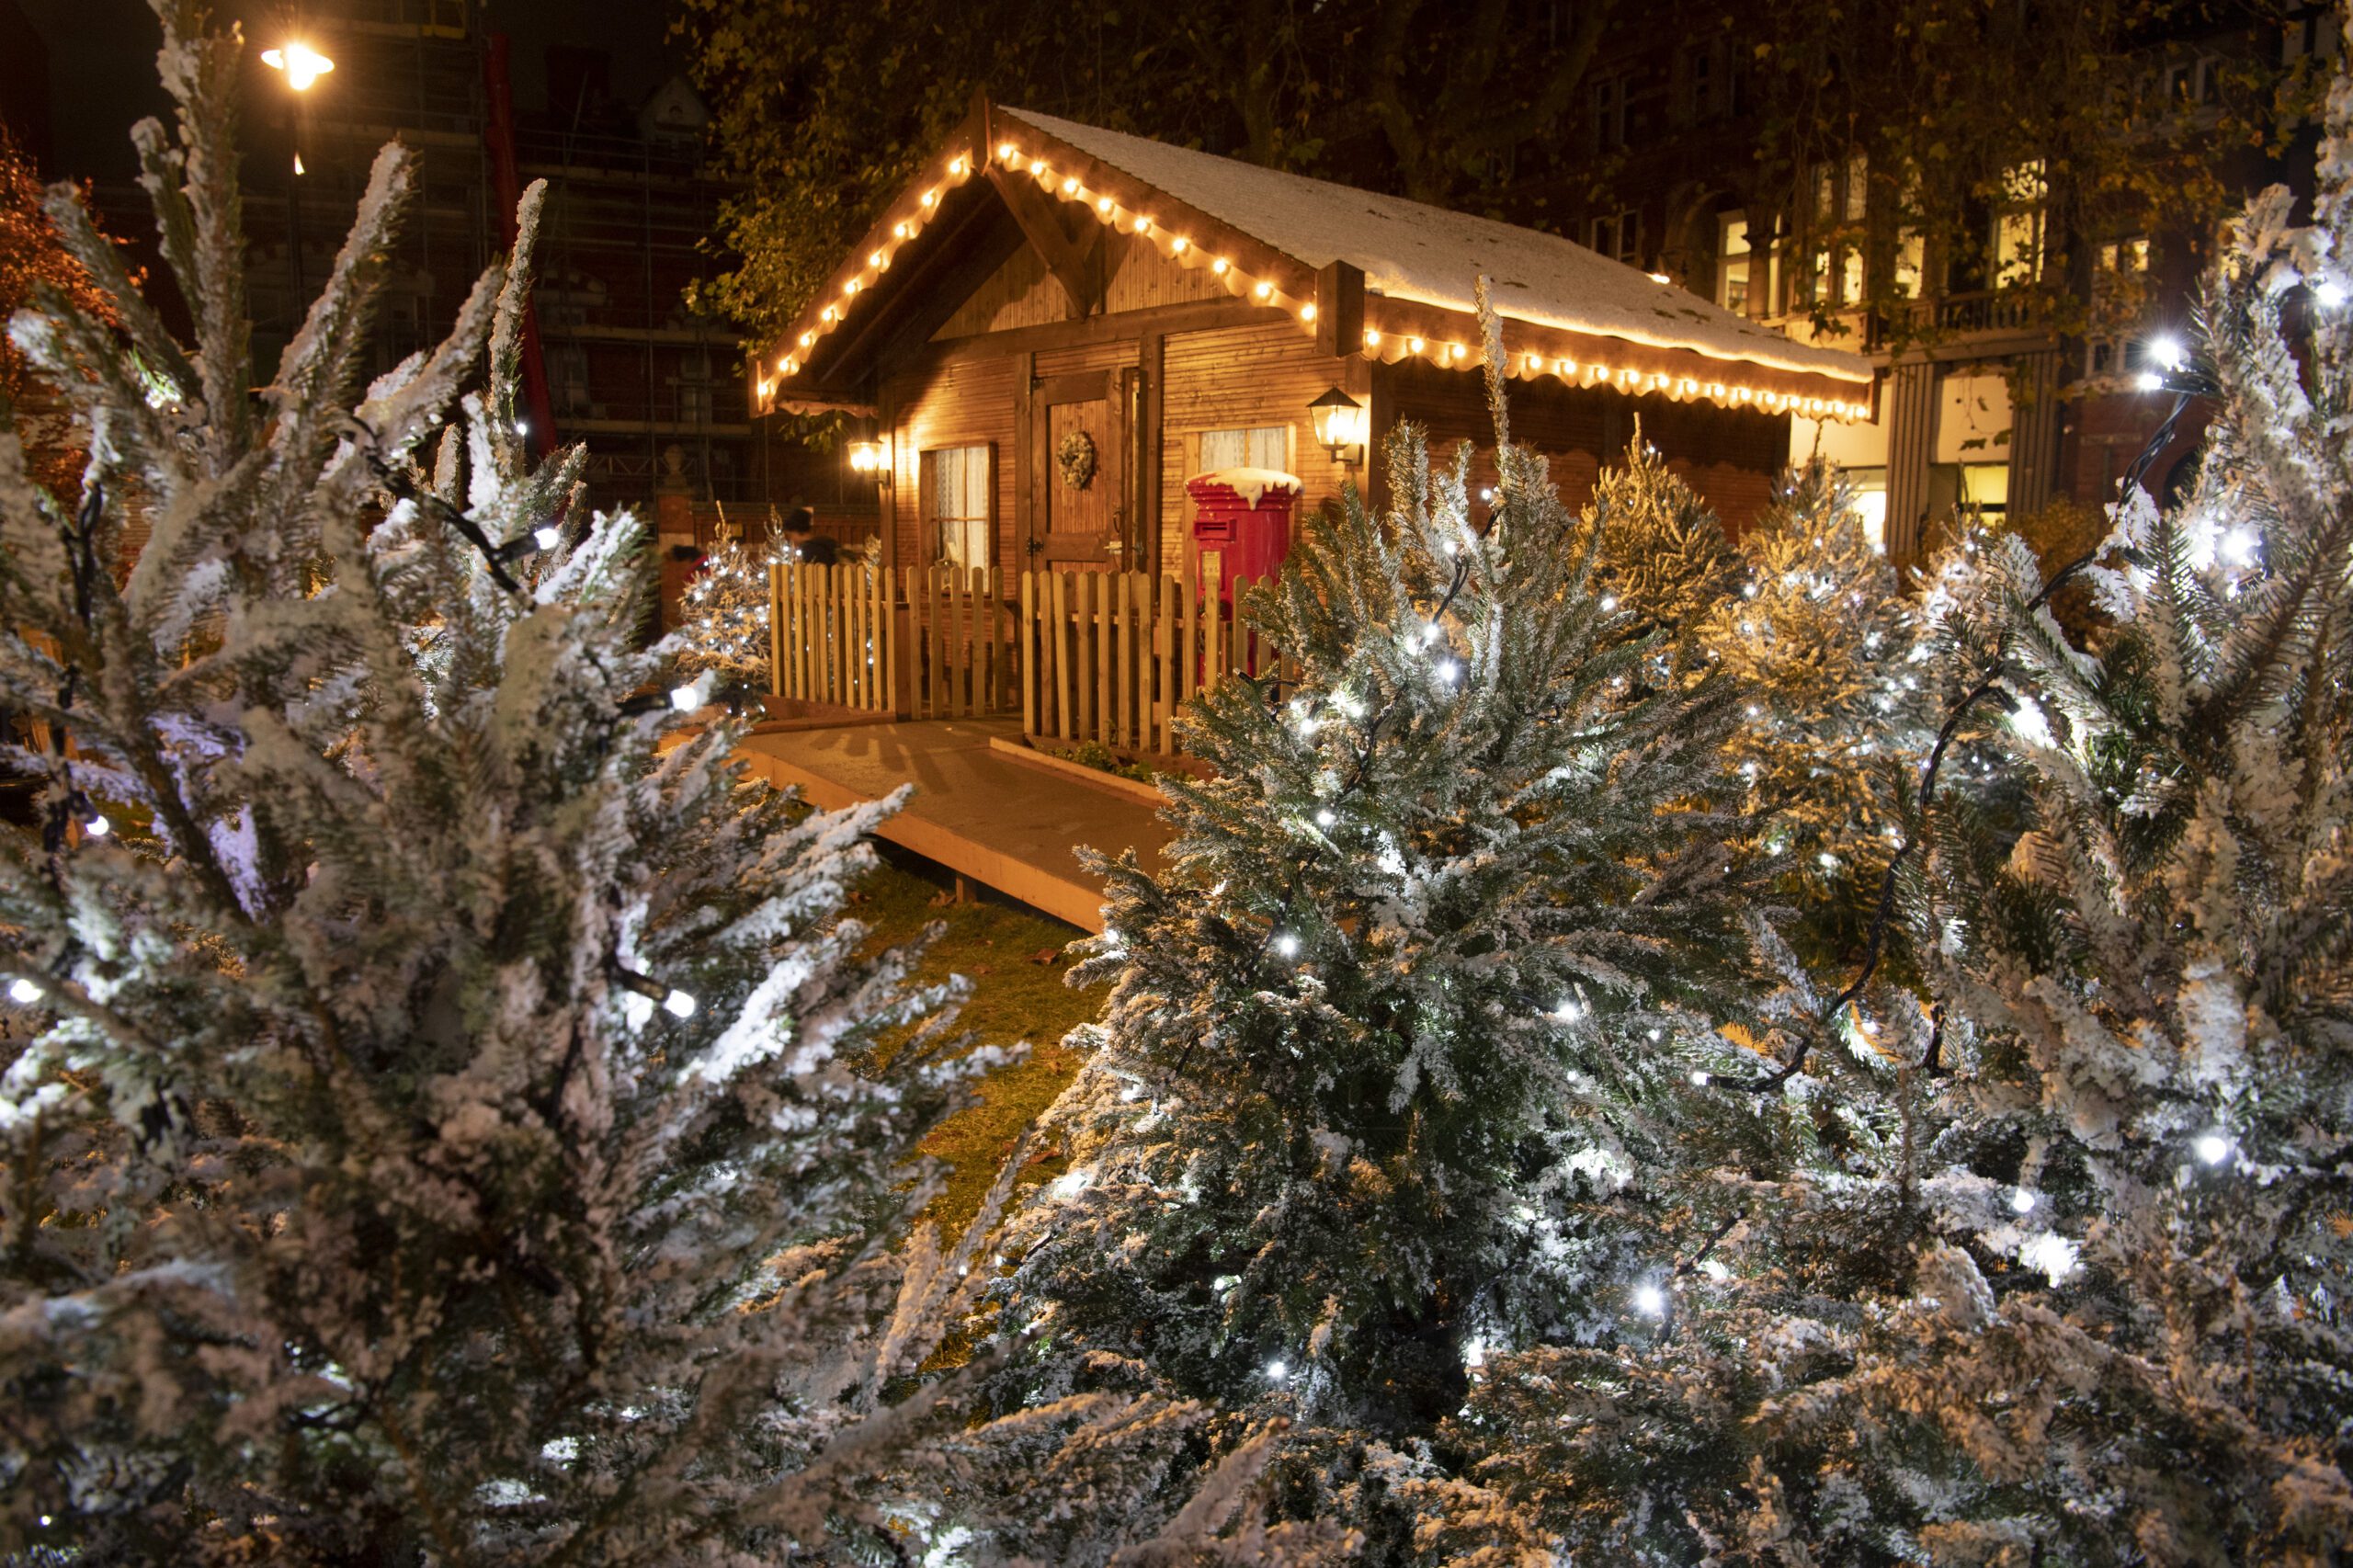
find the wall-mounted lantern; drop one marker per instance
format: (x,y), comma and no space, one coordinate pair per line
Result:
(1340,427)
(867,456)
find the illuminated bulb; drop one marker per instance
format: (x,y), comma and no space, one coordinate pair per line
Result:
(2213,1146)
(1307,313)
(2238,546)
(1324,818)
(298,164)
(688,697)
(1448,670)
(1286,945)
(900,230)
(1454,350)
(522,426)
(1070,186)
(2149,380)
(1566,366)
(1142,224)
(2021,1202)
(1263,290)
(956,164)
(2329,293)
(1567,1011)
(1180,245)
(1609,603)
(875,259)
(807,339)
(302,64)
(1414,344)
(547,536)
(1661,277)
(1649,1301)
(1536,362)
(1220,267)
(931,199)
(1699,1077)
(1103,205)
(850,287)
(23,992)
(2167,351)
(97,827)
(1371,338)
(1277,1371)
(1007,151)
(1653,1036)
(679,1004)
(826,315)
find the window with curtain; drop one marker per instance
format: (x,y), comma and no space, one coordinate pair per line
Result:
(1255,445)
(956,486)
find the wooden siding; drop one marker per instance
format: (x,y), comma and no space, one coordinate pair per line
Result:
(1024,293)
(968,403)
(1729,456)
(1239,377)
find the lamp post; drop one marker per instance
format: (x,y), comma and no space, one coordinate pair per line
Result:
(301,65)
(1340,427)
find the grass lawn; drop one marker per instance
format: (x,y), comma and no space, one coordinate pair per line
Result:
(1014,997)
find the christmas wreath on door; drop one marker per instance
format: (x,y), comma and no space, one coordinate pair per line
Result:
(1074,460)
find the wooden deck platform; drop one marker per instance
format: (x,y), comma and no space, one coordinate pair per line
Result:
(1006,824)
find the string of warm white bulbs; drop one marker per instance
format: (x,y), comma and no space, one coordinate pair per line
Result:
(1271,290)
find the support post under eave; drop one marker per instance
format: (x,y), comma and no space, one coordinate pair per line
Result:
(1339,310)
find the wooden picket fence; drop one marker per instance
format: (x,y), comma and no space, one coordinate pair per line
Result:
(1081,655)
(927,642)
(1112,656)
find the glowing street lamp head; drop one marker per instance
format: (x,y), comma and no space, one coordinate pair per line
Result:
(302,64)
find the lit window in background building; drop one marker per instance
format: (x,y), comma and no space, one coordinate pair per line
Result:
(1732,262)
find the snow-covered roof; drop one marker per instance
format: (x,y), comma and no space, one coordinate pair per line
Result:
(1408,250)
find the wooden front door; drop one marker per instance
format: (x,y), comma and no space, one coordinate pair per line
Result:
(1078,524)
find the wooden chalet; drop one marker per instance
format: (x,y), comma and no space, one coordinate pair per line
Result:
(1043,280)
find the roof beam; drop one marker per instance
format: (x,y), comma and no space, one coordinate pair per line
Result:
(1076,258)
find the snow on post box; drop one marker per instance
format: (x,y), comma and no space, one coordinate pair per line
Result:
(1243,516)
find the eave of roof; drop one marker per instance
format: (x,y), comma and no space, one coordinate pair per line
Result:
(1407,309)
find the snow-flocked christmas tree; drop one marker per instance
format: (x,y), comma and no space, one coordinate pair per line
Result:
(1427,976)
(725,629)
(454,1127)
(2064,1281)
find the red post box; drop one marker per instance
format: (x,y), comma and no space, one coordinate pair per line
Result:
(1243,516)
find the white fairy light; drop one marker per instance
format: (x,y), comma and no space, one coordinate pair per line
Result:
(1474,1354)
(2021,1202)
(1430,632)
(1609,603)
(1286,945)
(2213,1146)
(2031,727)
(97,826)
(679,1004)
(1700,1077)
(23,992)
(2167,351)
(2329,293)
(1324,818)
(1654,1036)
(1448,670)
(1277,1371)
(1649,1301)
(547,536)
(2149,380)
(1568,1011)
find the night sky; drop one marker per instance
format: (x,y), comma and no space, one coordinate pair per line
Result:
(102,62)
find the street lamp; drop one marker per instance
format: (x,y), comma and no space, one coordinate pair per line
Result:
(1339,426)
(302,64)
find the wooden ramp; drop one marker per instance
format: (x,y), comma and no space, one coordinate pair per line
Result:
(1006,824)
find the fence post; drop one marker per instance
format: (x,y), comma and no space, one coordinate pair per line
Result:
(1027,674)
(1059,596)
(776,629)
